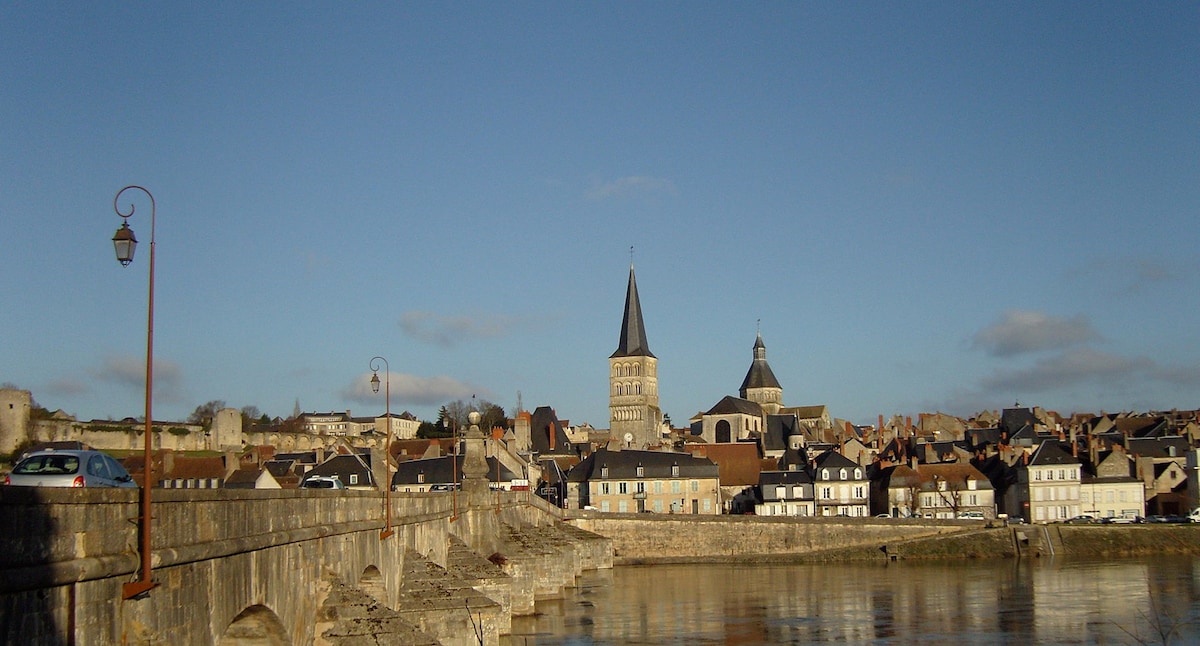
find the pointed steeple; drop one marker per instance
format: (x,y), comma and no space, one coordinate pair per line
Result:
(760,374)
(633,331)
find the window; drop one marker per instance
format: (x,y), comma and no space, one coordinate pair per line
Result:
(826,493)
(1037,475)
(707,505)
(605,489)
(622,487)
(641,471)
(674,470)
(657,486)
(604,471)
(658,506)
(858,492)
(695,485)
(604,506)
(676,486)
(824,474)
(353,478)
(842,474)
(641,487)
(780,493)
(1050,474)
(858,474)
(623,506)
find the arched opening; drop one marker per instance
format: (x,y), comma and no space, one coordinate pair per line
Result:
(255,626)
(372,583)
(723,433)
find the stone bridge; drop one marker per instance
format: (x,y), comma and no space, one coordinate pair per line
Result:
(247,567)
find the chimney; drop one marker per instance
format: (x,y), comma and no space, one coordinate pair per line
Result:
(908,429)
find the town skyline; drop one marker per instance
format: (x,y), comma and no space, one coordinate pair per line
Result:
(929,209)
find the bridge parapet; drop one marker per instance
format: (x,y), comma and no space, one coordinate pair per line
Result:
(239,562)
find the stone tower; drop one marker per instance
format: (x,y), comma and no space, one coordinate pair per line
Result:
(16,406)
(760,384)
(633,414)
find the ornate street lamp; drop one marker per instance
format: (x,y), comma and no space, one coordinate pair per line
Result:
(387,447)
(124,243)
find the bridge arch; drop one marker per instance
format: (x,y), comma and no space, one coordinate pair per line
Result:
(255,626)
(372,583)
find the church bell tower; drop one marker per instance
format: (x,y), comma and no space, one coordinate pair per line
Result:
(633,412)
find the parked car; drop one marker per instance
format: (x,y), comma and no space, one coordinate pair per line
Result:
(1170,518)
(1082,519)
(69,468)
(322,482)
(971,515)
(1121,520)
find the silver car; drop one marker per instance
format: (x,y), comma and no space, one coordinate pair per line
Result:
(69,468)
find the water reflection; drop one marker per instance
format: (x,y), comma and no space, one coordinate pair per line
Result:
(1135,601)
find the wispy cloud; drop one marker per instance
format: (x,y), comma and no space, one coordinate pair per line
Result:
(449,331)
(1069,368)
(411,390)
(67,387)
(1022,332)
(129,372)
(630,186)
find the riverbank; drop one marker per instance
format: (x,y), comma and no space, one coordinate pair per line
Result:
(639,539)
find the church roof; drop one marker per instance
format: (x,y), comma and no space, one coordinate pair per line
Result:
(759,375)
(730,405)
(633,331)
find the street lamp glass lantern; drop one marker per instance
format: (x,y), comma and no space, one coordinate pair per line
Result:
(375,382)
(124,243)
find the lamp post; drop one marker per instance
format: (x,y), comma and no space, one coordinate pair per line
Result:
(124,244)
(387,447)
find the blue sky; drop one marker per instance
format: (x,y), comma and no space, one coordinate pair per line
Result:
(929,206)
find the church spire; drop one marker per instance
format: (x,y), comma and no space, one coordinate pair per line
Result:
(633,331)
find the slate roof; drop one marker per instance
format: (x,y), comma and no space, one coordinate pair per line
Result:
(1051,452)
(778,429)
(622,465)
(633,331)
(443,470)
(760,374)
(730,405)
(343,466)
(833,460)
(1157,447)
(543,426)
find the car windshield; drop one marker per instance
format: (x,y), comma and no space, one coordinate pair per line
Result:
(319,484)
(48,464)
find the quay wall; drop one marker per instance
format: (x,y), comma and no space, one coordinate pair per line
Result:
(645,539)
(682,538)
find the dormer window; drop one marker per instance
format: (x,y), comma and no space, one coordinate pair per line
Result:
(824,474)
(604,471)
(420,475)
(641,471)
(858,474)
(675,470)
(842,474)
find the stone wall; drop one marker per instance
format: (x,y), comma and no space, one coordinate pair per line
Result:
(238,562)
(659,538)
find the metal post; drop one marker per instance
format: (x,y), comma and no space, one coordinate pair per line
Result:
(144,583)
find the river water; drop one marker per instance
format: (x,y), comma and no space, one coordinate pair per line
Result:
(1047,601)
